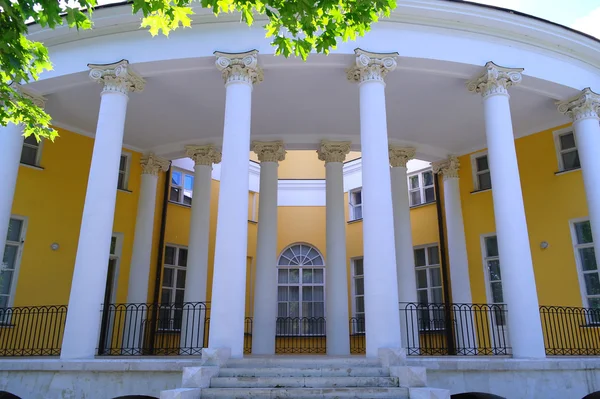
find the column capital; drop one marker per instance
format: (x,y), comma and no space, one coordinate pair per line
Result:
(34,98)
(582,106)
(448,167)
(495,80)
(371,66)
(203,154)
(269,151)
(239,67)
(117,77)
(151,164)
(399,156)
(333,151)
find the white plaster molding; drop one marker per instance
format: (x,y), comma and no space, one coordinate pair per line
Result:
(371,66)
(203,154)
(30,95)
(151,164)
(301,193)
(399,156)
(448,168)
(239,67)
(333,151)
(86,133)
(117,77)
(582,106)
(269,151)
(495,80)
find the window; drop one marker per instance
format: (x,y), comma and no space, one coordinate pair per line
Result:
(123,172)
(429,287)
(355,197)
(182,185)
(568,157)
(481,170)
(10,261)
(586,260)
(30,154)
(358,292)
(173,287)
(494,278)
(420,188)
(301,291)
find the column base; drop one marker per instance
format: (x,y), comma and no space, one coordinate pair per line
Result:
(215,356)
(392,356)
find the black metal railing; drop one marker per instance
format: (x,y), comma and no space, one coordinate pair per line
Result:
(300,335)
(454,329)
(571,331)
(357,336)
(32,330)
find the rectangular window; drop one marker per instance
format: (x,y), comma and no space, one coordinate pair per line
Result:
(30,154)
(123,181)
(566,146)
(182,185)
(481,173)
(429,287)
(173,287)
(358,291)
(420,188)
(10,261)
(491,261)
(586,260)
(355,197)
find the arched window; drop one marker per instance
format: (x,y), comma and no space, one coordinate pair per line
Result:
(301,282)
(8,395)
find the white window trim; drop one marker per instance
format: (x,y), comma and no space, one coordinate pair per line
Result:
(117,256)
(17,269)
(38,154)
(353,292)
(181,187)
(351,207)
(556,136)
(173,289)
(474,171)
(126,172)
(486,272)
(253,216)
(580,278)
(421,188)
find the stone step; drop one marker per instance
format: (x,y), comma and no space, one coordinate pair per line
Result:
(305,393)
(305,372)
(302,382)
(303,362)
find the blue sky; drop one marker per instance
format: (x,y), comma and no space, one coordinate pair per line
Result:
(583,15)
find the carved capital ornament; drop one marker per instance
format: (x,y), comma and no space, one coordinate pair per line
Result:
(239,67)
(333,151)
(399,156)
(37,100)
(151,164)
(448,168)
(269,151)
(495,80)
(582,106)
(117,77)
(203,154)
(371,66)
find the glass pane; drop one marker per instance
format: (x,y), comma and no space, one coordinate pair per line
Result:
(415,198)
(282,294)
(307,275)
(166,296)
(5,281)
(188,182)
(295,250)
(282,276)
(357,212)
(588,259)
(497,292)
(422,295)
(427,179)
(113,245)
(307,294)
(494,268)
(121,181)
(485,181)
(31,140)
(414,181)
(304,250)
(294,276)
(318,293)
(592,283)
(318,276)
(174,196)
(318,261)
(187,199)
(168,277)
(169,255)
(421,278)
(294,293)
(180,278)
(178,296)
(429,194)
(284,261)
(359,286)
(319,309)
(436,277)
(433,254)
(571,160)
(10,256)
(357,197)
(567,141)
(594,303)
(583,231)
(288,253)
(491,246)
(182,261)
(437,295)
(123,163)
(3,301)
(360,304)
(176,178)
(294,309)
(420,257)
(282,310)
(358,267)
(307,309)
(14,230)
(28,155)
(482,163)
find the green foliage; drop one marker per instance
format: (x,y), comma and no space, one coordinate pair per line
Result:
(297,27)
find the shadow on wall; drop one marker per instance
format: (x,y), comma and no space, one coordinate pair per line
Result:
(8,395)
(476,395)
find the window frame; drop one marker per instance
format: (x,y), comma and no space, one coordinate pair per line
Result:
(352,206)
(38,152)
(171,305)
(476,173)
(580,271)
(434,313)
(421,188)
(116,255)
(181,187)
(489,295)
(126,172)
(559,151)
(17,267)
(357,327)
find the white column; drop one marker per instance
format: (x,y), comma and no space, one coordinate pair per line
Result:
(11,145)
(518,280)
(265,297)
(91,263)
(382,321)
(336,309)
(240,72)
(405,258)
(457,253)
(584,109)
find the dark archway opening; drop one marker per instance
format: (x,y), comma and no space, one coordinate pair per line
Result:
(8,395)
(133,397)
(593,395)
(476,395)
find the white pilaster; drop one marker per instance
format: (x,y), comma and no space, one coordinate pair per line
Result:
(91,263)
(382,321)
(405,259)
(518,280)
(336,313)
(584,109)
(11,145)
(194,315)
(265,297)
(240,72)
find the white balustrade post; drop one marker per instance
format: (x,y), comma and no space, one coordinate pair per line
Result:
(382,321)
(405,258)
(82,327)
(194,312)
(584,109)
(240,72)
(265,292)
(518,280)
(336,309)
